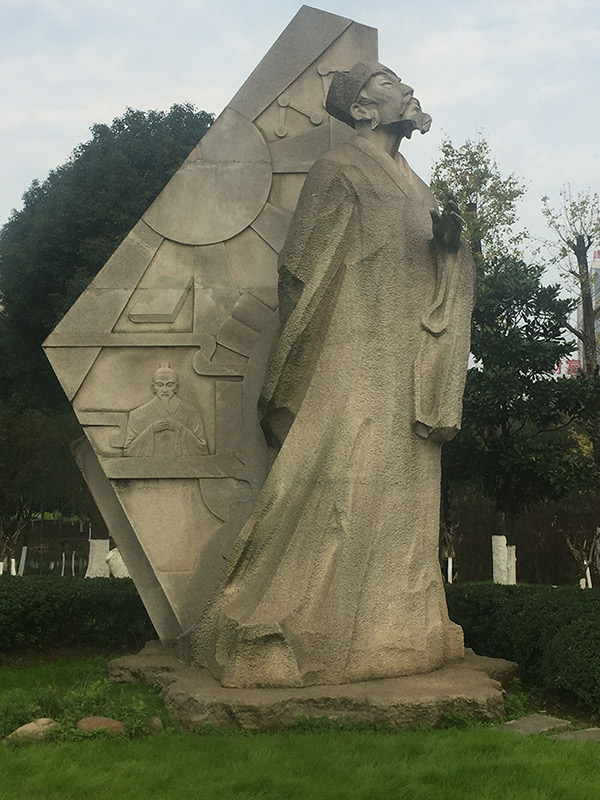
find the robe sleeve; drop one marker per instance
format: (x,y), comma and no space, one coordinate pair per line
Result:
(441,364)
(139,438)
(191,438)
(319,239)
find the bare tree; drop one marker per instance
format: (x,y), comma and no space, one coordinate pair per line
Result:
(576,222)
(583,549)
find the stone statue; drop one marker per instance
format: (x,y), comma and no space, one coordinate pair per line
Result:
(195,283)
(335,577)
(165,426)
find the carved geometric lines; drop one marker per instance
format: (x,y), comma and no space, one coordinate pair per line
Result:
(308,35)
(220,188)
(71,365)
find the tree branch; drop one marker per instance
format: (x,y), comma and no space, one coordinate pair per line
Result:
(574,331)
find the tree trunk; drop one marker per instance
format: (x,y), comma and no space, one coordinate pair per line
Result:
(590,350)
(580,248)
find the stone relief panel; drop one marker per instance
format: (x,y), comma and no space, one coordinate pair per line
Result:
(165,425)
(194,286)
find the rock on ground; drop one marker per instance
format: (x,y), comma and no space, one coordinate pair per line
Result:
(535,723)
(195,698)
(36,730)
(94,723)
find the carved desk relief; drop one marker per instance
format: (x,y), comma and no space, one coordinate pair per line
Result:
(166,425)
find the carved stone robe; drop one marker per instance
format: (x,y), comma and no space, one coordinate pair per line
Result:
(335,577)
(186,438)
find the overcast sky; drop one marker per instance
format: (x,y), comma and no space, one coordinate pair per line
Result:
(523,73)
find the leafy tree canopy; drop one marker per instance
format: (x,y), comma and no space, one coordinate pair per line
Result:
(69,226)
(49,251)
(486,200)
(516,442)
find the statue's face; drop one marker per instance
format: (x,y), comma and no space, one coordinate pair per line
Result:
(395,100)
(165,385)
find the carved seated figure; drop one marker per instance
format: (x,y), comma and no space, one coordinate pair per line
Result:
(166,425)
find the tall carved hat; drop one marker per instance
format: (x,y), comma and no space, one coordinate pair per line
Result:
(345,88)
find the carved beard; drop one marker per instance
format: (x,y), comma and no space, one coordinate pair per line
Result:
(419,122)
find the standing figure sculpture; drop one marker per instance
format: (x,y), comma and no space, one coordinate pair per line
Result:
(335,577)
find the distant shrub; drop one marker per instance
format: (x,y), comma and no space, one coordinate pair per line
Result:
(44,612)
(553,633)
(572,661)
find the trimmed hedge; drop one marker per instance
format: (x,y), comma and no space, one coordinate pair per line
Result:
(553,633)
(45,612)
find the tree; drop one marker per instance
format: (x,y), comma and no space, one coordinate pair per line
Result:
(516,443)
(576,223)
(487,201)
(69,226)
(37,471)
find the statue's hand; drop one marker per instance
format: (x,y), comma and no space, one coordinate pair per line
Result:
(447,226)
(162,425)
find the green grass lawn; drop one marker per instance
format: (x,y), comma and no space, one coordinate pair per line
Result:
(473,762)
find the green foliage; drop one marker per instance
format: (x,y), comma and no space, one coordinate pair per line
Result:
(49,251)
(468,764)
(516,443)
(44,612)
(37,470)
(487,201)
(572,660)
(69,226)
(454,719)
(576,223)
(66,691)
(516,702)
(553,633)
(575,216)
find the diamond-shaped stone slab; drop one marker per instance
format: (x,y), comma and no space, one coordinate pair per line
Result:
(195,286)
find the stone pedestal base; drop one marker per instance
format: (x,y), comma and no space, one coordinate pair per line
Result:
(195,698)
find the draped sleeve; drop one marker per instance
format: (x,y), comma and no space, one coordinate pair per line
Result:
(441,364)
(310,266)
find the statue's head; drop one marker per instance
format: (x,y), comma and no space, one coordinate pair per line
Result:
(165,382)
(373,94)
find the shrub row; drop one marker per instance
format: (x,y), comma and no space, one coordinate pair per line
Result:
(45,612)
(553,633)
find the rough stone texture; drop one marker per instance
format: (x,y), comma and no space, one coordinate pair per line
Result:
(497,668)
(194,284)
(195,698)
(155,669)
(587,735)
(534,723)
(335,577)
(155,725)
(499,559)
(116,565)
(94,723)
(97,565)
(36,730)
